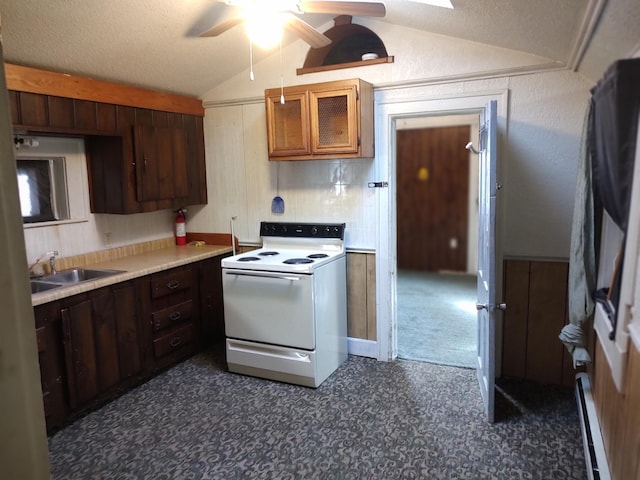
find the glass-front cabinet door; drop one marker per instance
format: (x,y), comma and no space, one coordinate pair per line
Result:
(334,121)
(288,124)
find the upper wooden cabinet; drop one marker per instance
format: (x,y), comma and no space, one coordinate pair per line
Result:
(139,160)
(161,163)
(321,121)
(145,149)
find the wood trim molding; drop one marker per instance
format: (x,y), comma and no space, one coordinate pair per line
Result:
(33,80)
(338,66)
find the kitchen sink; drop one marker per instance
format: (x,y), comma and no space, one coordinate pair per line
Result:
(38,286)
(77,275)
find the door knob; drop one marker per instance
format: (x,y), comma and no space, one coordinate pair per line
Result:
(481,306)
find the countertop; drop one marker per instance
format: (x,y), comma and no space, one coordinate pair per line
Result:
(134,266)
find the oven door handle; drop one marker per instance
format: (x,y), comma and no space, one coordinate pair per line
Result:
(264,275)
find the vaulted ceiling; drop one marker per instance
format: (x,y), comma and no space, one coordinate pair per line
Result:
(156,43)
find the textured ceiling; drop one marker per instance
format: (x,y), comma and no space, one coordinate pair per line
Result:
(155,43)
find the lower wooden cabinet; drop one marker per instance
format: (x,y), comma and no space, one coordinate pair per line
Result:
(94,346)
(101,336)
(211,304)
(170,313)
(52,370)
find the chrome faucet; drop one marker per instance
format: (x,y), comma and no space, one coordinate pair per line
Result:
(52,261)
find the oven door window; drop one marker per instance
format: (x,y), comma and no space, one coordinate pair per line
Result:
(269,307)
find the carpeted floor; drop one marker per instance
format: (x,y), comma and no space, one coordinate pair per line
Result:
(437,318)
(369,420)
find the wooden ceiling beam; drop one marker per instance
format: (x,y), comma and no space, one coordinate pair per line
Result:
(33,80)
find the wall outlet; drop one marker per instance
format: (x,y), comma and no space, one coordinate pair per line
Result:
(107,239)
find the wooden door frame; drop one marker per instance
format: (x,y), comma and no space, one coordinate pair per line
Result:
(390,109)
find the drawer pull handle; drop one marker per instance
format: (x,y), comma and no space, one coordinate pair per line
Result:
(175,341)
(173,284)
(175,316)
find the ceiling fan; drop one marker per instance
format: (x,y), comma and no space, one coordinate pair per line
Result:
(275,15)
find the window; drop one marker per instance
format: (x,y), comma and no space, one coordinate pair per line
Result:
(52,181)
(43,189)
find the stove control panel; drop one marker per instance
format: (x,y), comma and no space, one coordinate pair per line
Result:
(303,230)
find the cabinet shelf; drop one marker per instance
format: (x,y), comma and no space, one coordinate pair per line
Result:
(360,63)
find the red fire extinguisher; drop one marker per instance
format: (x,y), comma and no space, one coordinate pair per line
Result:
(181,227)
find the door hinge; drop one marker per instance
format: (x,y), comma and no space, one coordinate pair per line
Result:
(378,184)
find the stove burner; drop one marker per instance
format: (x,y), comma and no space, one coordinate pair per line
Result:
(297,261)
(318,255)
(248,259)
(268,254)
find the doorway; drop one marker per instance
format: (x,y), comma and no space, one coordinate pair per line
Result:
(437,224)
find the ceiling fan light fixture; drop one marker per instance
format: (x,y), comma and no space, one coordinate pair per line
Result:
(265,28)
(436,3)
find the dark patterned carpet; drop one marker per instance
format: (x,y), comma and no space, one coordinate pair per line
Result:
(369,420)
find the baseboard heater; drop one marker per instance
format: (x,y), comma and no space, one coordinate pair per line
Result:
(594,453)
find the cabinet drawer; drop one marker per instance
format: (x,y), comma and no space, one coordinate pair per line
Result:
(173,341)
(171,282)
(172,315)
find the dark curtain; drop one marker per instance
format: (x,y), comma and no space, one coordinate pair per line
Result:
(615,106)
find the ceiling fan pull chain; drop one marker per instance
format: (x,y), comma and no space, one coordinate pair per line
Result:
(251,60)
(281,77)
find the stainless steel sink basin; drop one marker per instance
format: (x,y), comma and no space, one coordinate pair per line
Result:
(37,286)
(77,275)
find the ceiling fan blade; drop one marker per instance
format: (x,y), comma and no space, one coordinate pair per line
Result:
(362,9)
(222,27)
(306,32)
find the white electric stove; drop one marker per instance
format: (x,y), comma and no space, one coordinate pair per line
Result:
(285,304)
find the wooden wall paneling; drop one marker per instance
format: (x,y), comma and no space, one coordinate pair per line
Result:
(86,115)
(159,119)
(631,457)
(33,109)
(372,328)
(546,317)
(106,117)
(356,295)
(61,113)
(361,296)
(144,117)
(516,296)
(609,405)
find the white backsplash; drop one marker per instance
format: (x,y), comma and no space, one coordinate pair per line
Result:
(98,232)
(242,182)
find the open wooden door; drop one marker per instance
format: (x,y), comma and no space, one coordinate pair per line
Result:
(486,304)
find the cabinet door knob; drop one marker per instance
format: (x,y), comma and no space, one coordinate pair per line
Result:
(173,284)
(175,341)
(175,316)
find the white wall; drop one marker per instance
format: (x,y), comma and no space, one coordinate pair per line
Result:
(539,158)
